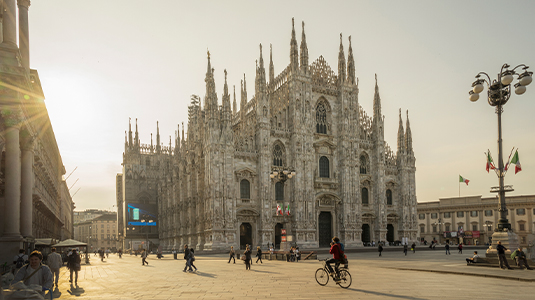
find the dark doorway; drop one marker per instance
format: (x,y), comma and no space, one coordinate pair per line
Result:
(246,235)
(278,234)
(365,233)
(325,231)
(390,233)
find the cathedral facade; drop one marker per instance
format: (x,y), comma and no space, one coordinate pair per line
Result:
(301,156)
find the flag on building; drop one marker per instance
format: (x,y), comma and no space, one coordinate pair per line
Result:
(461,179)
(279,210)
(490,163)
(288,210)
(516,161)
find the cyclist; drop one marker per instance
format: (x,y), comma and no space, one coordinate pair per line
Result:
(336,252)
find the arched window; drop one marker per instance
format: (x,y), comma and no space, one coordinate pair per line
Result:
(245,189)
(388,197)
(365,196)
(277,156)
(321,119)
(363,165)
(324,167)
(279,191)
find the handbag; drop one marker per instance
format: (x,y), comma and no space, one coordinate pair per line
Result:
(242,257)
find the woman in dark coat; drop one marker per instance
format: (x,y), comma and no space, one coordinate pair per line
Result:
(259,255)
(73,263)
(247,254)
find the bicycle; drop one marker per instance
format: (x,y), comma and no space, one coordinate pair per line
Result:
(341,276)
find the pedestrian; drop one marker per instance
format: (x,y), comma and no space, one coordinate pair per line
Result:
(95,252)
(413,247)
(271,250)
(272,245)
(34,272)
(20,260)
(187,257)
(175,255)
(473,259)
(248,259)
(144,255)
(192,258)
(501,256)
(380,249)
(54,262)
(259,255)
(447,247)
(297,254)
(460,247)
(520,257)
(73,263)
(231,254)
(405,248)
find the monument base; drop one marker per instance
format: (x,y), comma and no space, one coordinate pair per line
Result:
(508,239)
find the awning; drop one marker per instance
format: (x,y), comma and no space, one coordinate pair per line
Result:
(45,242)
(69,243)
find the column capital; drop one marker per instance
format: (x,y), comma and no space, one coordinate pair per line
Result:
(27,140)
(12,117)
(25,3)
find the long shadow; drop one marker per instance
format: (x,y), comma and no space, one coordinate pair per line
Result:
(257,271)
(76,290)
(56,294)
(151,266)
(386,295)
(205,274)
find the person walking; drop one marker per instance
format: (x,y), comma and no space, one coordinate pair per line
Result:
(259,255)
(73,263)
(54,262)
(232,254)
(248,259)
(413,247)
(192,258)
(187,257)
(501,256)
(447,247)
(460,247)
(405,248)
(144,255)
(380,249)
(297,254)
(34,272)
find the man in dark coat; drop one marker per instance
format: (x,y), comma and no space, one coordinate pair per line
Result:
(501,256)
(187,257)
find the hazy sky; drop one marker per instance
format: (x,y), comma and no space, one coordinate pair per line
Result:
(101,62)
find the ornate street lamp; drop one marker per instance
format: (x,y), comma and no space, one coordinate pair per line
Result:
(281,174)
(499,92)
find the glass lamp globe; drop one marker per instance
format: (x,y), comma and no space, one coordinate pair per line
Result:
(285,172)
(507,79)
(289,175)
(520,89)
(478,88)
(474,97)
(271,176)
(525,79)
(293,173)
(275,173)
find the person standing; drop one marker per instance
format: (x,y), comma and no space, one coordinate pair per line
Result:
(460,247)
(380,249)
(232,254)
(248,259)
(54,262)
(447,247)
(20,260)
(501,256)
(175,256)
(73,263)
(405,248)
(187,257)
(35,272)
(144,255)
(259,254)
(413,247)
(297,254)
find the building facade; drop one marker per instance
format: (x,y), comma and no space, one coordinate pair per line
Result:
(300,155)
(99,232)
(34,198)
(472,220)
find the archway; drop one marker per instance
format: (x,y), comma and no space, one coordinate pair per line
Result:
(246,235)
(278,234)
(366,233)
(325,230)
(390,233)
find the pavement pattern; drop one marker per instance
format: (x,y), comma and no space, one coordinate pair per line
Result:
(420,275)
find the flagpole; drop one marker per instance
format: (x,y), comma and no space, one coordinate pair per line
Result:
(459,188)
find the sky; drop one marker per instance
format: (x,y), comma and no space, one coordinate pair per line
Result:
(103,62)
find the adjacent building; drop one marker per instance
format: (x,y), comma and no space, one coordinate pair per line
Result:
(472,219)
(301,156)
(34,197)
(99,232)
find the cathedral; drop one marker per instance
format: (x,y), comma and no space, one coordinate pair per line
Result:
(300,162)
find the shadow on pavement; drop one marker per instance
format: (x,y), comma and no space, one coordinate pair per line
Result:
(204,274)
(56,293)
(386,295)
(76,290)
(152,266)
(257,271)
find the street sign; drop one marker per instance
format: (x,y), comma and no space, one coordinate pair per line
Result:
(283,231)
(283,238)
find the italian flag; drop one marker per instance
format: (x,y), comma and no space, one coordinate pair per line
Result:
(490,164)
(288,210)
(461,179)
(279,210)
(516,161)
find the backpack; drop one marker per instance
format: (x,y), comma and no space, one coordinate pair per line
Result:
(343,257)
(20,262)
(513,255)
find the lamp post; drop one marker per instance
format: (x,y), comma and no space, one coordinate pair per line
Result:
(282,174)
(146,232)
(499,92)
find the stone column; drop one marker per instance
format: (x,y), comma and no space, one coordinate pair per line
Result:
(24,34)
(12,183)
(9,23)
(26,188)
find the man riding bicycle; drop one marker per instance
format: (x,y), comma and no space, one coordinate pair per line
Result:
(336,251)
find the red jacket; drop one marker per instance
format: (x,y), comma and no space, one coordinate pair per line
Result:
(335,251)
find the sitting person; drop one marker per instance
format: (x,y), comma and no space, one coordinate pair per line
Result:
(521,260)
(472,259)
(35,272)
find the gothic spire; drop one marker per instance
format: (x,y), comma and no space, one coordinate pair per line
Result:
(129,132)
(178,135)
(408,136)
(226,99)
(151,142)
(136,141)
(243,99)
(271,69)
(234,106)
(157,136)
(304,50)
(377,102)
(294,53)
(260,74)
(350,65)
(341,63)
(211,96)
(401,137)
(183,139)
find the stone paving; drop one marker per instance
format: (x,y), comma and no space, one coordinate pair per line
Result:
(420,275)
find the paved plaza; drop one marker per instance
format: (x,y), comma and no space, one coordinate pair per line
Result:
(423,275)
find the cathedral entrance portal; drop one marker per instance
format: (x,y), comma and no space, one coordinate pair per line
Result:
(365,233)
(325,230)
(390,233)
(278,234)
(246,235)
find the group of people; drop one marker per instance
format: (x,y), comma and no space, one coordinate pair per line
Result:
(518,255)
(246,256)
